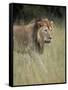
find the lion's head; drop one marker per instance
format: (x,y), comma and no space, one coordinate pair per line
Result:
(43,29)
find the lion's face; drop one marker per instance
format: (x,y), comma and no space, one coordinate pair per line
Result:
(44,28)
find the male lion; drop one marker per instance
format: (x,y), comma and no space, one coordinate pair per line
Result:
(37,33)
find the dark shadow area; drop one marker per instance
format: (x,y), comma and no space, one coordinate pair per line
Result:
(26,13)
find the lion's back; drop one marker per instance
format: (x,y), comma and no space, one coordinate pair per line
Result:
(23,34)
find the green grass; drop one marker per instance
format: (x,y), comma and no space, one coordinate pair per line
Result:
(30,67)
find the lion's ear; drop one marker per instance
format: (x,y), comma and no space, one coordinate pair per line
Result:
(39,24)
(52,25)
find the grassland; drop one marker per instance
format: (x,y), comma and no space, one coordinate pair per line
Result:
(48,67)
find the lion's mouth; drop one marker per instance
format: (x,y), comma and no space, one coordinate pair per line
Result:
(48,41)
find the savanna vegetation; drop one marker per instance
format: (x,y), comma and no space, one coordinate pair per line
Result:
(31,67)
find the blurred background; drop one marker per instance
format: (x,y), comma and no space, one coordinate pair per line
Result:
(29,12)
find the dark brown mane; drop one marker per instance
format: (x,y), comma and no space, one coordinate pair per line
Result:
(35,30)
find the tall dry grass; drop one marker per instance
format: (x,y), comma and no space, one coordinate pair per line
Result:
(31,67)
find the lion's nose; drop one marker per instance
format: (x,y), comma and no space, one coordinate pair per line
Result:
(50,37)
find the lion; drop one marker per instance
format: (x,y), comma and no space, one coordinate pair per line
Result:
(37,33)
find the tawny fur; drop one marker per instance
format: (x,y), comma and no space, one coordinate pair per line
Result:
(33,32)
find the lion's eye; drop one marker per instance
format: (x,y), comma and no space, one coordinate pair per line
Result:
(45,30)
